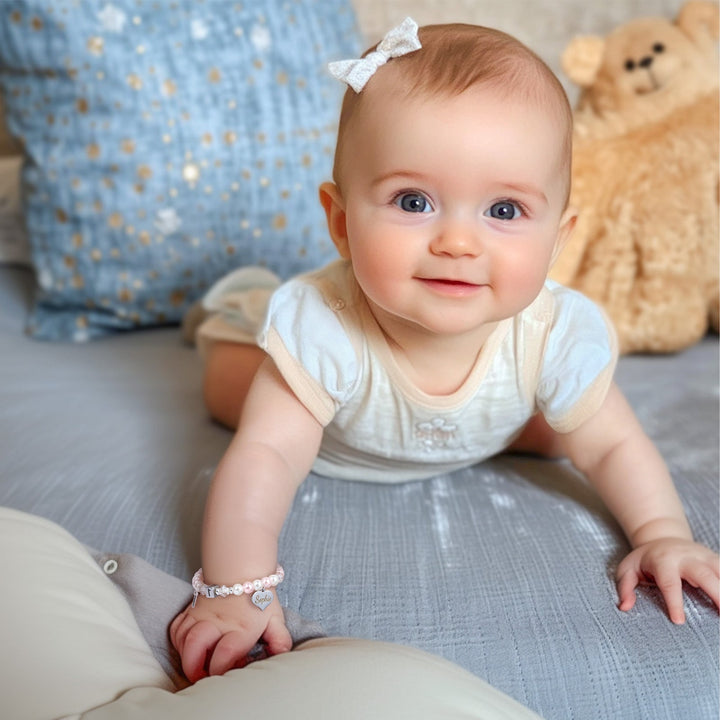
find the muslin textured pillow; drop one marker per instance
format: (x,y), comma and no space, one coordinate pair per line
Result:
(167,143)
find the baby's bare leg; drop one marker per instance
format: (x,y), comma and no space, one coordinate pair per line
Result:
(538,438)
(229,370)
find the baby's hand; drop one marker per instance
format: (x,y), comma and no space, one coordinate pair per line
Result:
(217,634)
(666,562)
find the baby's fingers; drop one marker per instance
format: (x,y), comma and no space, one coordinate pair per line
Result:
(179,629)
(706,578)
(669,583)
(627,581)
(277,636)
(230,652)
(198,642)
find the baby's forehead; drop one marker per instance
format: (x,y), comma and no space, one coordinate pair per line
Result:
(441,125)
(389,100)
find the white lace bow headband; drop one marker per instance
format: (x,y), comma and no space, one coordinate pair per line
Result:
(399,41)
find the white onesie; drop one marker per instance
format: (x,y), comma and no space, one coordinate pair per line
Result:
(557,357)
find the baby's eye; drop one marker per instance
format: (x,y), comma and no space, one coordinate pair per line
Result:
(504,210)
(413,202)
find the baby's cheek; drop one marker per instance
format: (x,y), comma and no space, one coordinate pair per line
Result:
(524,276)
(376,279)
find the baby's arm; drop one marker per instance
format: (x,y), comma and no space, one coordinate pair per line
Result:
(250,495)
(626,469)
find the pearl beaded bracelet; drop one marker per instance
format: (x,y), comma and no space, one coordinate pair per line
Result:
(262,596)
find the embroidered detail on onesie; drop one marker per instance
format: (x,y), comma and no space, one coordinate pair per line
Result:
(435,434)
(337,304)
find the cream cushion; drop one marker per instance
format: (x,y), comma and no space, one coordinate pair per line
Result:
(74,650)
(75,643)
(333,678)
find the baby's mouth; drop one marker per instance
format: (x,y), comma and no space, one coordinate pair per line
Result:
(450,285)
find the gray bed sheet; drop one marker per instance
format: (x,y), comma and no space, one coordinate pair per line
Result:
(505,568)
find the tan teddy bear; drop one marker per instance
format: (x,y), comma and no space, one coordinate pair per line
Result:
(645,177)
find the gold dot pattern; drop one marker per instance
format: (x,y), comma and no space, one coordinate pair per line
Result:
(171,142)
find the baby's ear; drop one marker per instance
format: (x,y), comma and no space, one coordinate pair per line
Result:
(567,225)
(334,206)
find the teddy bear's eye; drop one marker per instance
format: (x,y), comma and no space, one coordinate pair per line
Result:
(658,48)
(630,65)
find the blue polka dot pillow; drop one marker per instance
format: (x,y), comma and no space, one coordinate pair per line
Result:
(168,143)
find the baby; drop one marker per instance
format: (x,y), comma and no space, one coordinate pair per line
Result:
(435,341)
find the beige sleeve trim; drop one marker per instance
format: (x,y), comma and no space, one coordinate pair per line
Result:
(307,390)
(588,405)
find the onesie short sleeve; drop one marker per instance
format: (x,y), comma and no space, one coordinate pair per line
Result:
(578,363)
(306,339)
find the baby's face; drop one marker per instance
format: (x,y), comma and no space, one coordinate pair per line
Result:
(453,206)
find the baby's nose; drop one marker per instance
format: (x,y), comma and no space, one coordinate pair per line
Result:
(457,239)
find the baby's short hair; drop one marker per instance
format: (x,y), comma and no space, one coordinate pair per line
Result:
(456,57)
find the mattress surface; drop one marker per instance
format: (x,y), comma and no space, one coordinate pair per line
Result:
(505,568)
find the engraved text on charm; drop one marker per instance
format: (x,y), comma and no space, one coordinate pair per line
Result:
(262,598)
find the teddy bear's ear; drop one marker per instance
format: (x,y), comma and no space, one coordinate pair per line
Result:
(699,20)
(582,59)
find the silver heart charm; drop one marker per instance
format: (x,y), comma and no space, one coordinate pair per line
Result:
(262,598)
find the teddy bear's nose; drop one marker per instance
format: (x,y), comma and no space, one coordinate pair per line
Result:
(645,63)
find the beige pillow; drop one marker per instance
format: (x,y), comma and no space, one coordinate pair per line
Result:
(329,679)
(72,649)
(70,641)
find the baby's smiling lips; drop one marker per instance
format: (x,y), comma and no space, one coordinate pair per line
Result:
(450,286)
